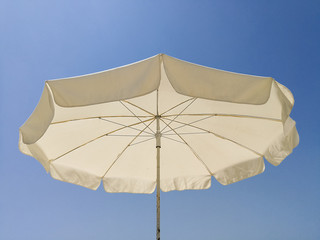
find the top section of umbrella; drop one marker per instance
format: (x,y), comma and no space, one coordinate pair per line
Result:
(190,99)
(144,77)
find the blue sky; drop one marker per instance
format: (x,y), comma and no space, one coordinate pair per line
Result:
(41,40)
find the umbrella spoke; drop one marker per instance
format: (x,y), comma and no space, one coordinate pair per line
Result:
(192,133)
(192,150)
(124,125)
(126,135)
(220,136)
(138,107)
(172,139)
(146,140)
(189,123)
(222,115)
(137,116)
(105,134)
(177,105)
(130,144)
(88,118)
(179,114)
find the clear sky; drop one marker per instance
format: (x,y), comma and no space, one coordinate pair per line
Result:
(41,40)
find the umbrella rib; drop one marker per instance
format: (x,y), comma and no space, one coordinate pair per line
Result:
(189,123)
(192,150)
(191,133)
(177,105)
(138,107)
(87,118)
(105,134)
(224,115)
(122,125)
(126,135)
(172,139)
(136,116)
(167,125)
(119,155)
(142,141)
(222,137)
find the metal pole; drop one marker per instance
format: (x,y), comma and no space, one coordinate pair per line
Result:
(158,146)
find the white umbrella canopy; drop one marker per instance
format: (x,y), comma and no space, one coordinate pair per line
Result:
(109,126)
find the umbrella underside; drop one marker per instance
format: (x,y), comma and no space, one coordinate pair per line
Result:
(82,135)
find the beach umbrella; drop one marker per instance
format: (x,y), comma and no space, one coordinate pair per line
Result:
(161,123)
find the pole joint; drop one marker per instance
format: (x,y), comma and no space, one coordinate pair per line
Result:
(158,133)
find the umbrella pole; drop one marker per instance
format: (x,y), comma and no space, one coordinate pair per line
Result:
(158,146)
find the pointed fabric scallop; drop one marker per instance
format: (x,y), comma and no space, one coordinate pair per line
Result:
(102,126)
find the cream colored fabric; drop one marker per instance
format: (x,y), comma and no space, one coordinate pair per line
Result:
(101,126)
